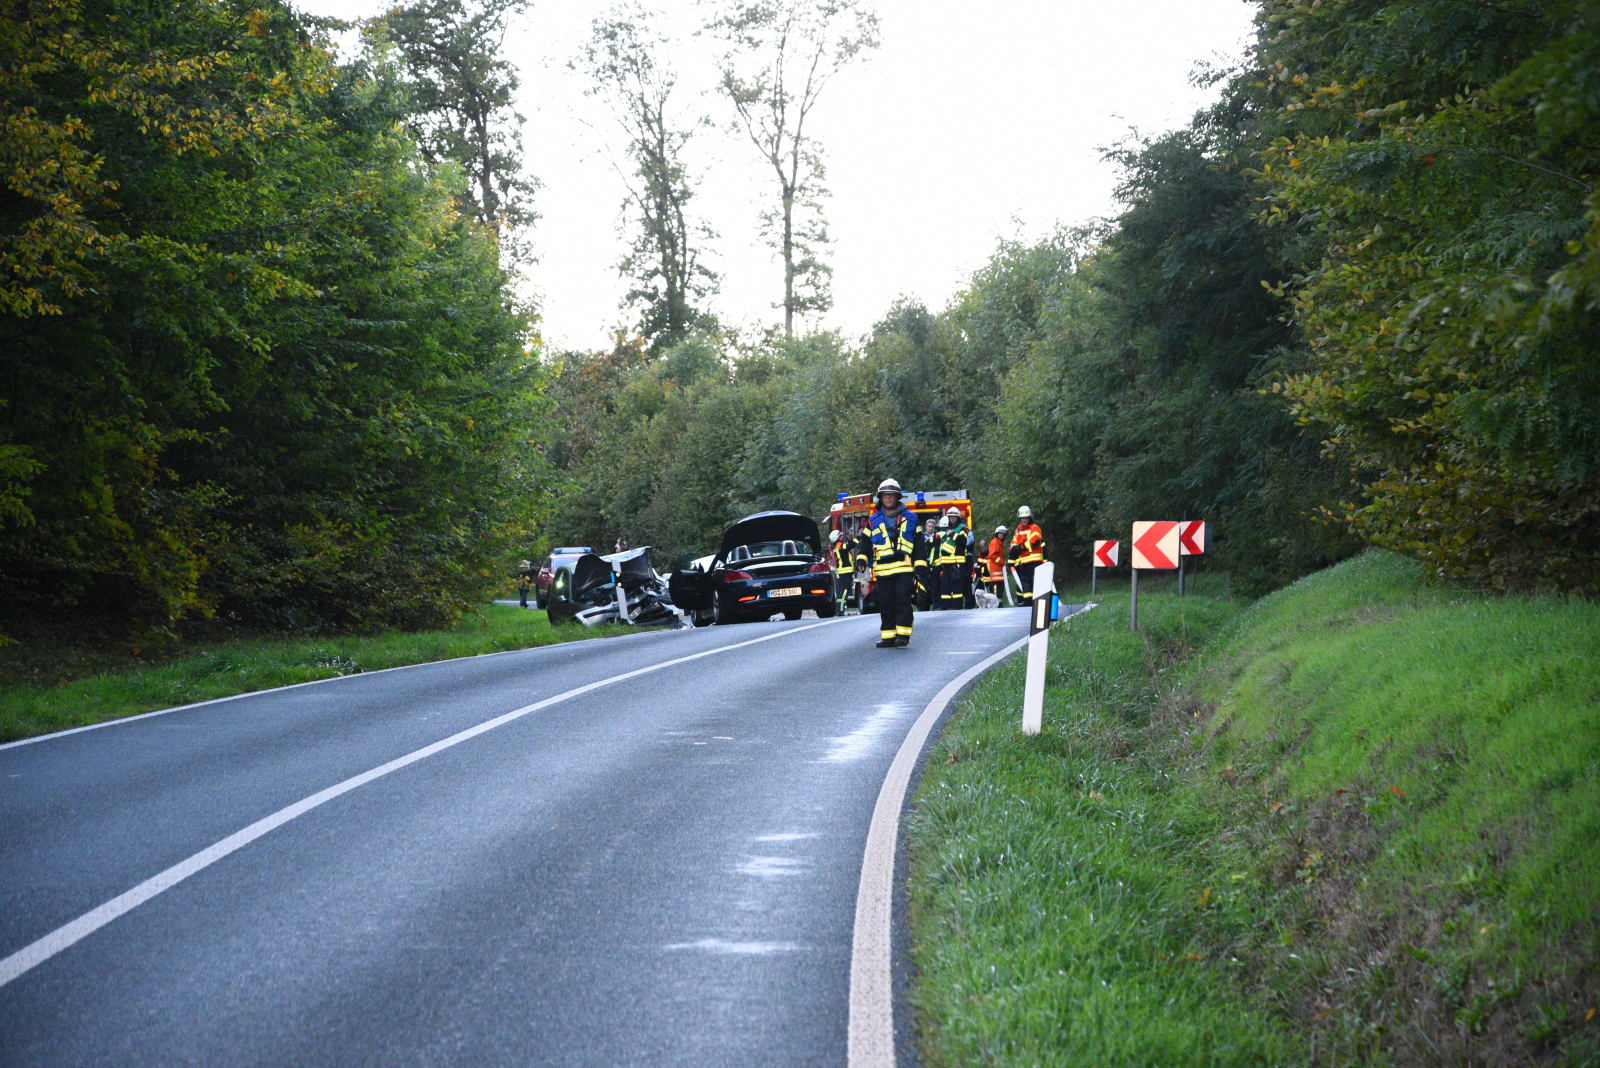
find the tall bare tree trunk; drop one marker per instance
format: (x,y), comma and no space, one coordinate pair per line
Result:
(788,265)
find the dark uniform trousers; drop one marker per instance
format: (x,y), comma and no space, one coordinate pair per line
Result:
(949,586)
(895,603)
(1025,576)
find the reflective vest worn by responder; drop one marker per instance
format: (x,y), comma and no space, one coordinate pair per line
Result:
(996,559)
(842,562)
(894,541)
(1027,544)
(951,558)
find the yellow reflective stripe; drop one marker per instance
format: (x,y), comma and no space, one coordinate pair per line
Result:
(898,567)
(902,632)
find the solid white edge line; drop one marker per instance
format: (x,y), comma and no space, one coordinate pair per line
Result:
(295,686)
(871,1034)
(41,950)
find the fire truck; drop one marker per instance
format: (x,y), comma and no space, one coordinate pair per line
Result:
(849,515)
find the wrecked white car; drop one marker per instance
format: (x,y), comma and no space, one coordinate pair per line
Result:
(619,588)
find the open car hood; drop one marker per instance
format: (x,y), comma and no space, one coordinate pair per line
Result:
(770,526)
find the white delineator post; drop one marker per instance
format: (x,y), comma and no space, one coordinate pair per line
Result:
(1044,588)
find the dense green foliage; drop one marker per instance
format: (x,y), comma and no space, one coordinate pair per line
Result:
(1448,155)
(1353,823)
(253,361)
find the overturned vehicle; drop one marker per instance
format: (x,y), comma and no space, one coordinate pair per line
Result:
(767,563)
(620,588)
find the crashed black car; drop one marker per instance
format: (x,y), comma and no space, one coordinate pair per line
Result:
(619,588)
(769,562)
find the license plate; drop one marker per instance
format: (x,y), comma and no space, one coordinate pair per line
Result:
(790,591)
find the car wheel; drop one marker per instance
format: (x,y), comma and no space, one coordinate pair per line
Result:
(542,602)
(724,612)
(828,611)
(791,613)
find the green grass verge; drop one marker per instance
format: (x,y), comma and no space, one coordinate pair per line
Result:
(221,669)
(1355,822)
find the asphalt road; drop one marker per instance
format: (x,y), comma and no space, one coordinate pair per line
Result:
(662,871)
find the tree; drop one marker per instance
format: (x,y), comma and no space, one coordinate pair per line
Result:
(1447,154)
(265,370)
(623,58)
(461,95)
(780,56)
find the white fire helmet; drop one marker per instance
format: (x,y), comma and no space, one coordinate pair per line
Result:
(1024,512)
(954,512)
(889,485)
(944,522)
(1000,529)
(835,536)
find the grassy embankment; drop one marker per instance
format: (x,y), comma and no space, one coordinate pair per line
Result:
(1355,822)
(76,688)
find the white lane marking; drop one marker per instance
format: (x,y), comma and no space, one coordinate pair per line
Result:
(871,986)
(718,945)
(313,682)
(791,836)
(962,652)
(858,743)
(37,952)
(871,1042)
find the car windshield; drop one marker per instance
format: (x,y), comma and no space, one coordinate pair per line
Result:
(761,550)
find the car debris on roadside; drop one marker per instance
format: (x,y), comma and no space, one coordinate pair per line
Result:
(618,588)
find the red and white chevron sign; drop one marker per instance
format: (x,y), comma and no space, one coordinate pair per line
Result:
(1155,545)
(1105,554)
(1192,538)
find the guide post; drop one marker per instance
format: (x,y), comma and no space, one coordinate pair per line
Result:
(1043,611)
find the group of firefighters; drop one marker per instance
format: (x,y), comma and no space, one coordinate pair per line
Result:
(931,567)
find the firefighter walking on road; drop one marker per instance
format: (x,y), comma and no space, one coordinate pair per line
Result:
(893,534)
(1027,549)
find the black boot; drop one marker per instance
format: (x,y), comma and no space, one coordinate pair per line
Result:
(887,643)
(902,641)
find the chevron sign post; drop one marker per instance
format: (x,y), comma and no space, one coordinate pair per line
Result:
(1105,555)
(1194,539)
(1155,548)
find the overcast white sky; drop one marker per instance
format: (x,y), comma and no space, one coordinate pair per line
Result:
(973,122)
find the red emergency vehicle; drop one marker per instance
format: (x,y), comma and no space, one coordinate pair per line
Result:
(849,515)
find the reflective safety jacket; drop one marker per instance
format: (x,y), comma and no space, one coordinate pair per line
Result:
(962,537)
(894,541)
(841,556)
(950,548)
(1027,544)
(996,560)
